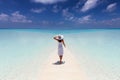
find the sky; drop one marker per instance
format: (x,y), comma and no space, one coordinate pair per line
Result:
(60,14)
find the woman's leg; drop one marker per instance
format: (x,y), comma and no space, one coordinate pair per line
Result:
(60,58)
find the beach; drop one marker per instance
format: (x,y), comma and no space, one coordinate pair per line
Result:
(69,70)
(32,55)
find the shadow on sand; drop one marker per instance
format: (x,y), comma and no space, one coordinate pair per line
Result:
(58,63)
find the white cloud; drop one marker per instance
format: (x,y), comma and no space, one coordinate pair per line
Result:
(48,1)
(14,17)
(40,10)
(56,8)
(88,19)
(113,22)
(84,19)
(71,17)
(111,7)
(17,17)
(4,17)
(67,15)
(77,5)
(45,22)
(89,5)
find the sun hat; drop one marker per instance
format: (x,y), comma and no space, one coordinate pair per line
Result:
(59,36)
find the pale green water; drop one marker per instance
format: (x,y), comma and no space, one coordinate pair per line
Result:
(96,50)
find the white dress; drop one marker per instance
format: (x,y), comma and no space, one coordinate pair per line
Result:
(60,48)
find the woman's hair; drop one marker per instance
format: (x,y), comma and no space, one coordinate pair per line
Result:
(60,40)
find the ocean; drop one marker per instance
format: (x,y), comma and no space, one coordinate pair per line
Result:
(24,51)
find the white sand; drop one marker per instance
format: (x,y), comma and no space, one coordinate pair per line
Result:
(70,70)
(31,70)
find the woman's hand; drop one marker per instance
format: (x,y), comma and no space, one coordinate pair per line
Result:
(55,38)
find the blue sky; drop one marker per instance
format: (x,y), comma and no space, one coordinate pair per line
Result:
(60,14)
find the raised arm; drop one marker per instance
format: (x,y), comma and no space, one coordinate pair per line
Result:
(55,38)
(64,43)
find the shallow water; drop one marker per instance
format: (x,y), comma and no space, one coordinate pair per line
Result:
(97,51)
(23,49)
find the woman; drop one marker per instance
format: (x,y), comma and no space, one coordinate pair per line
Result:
(61,42)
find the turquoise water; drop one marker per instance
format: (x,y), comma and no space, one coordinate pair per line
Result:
(22,48)
(97,51)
